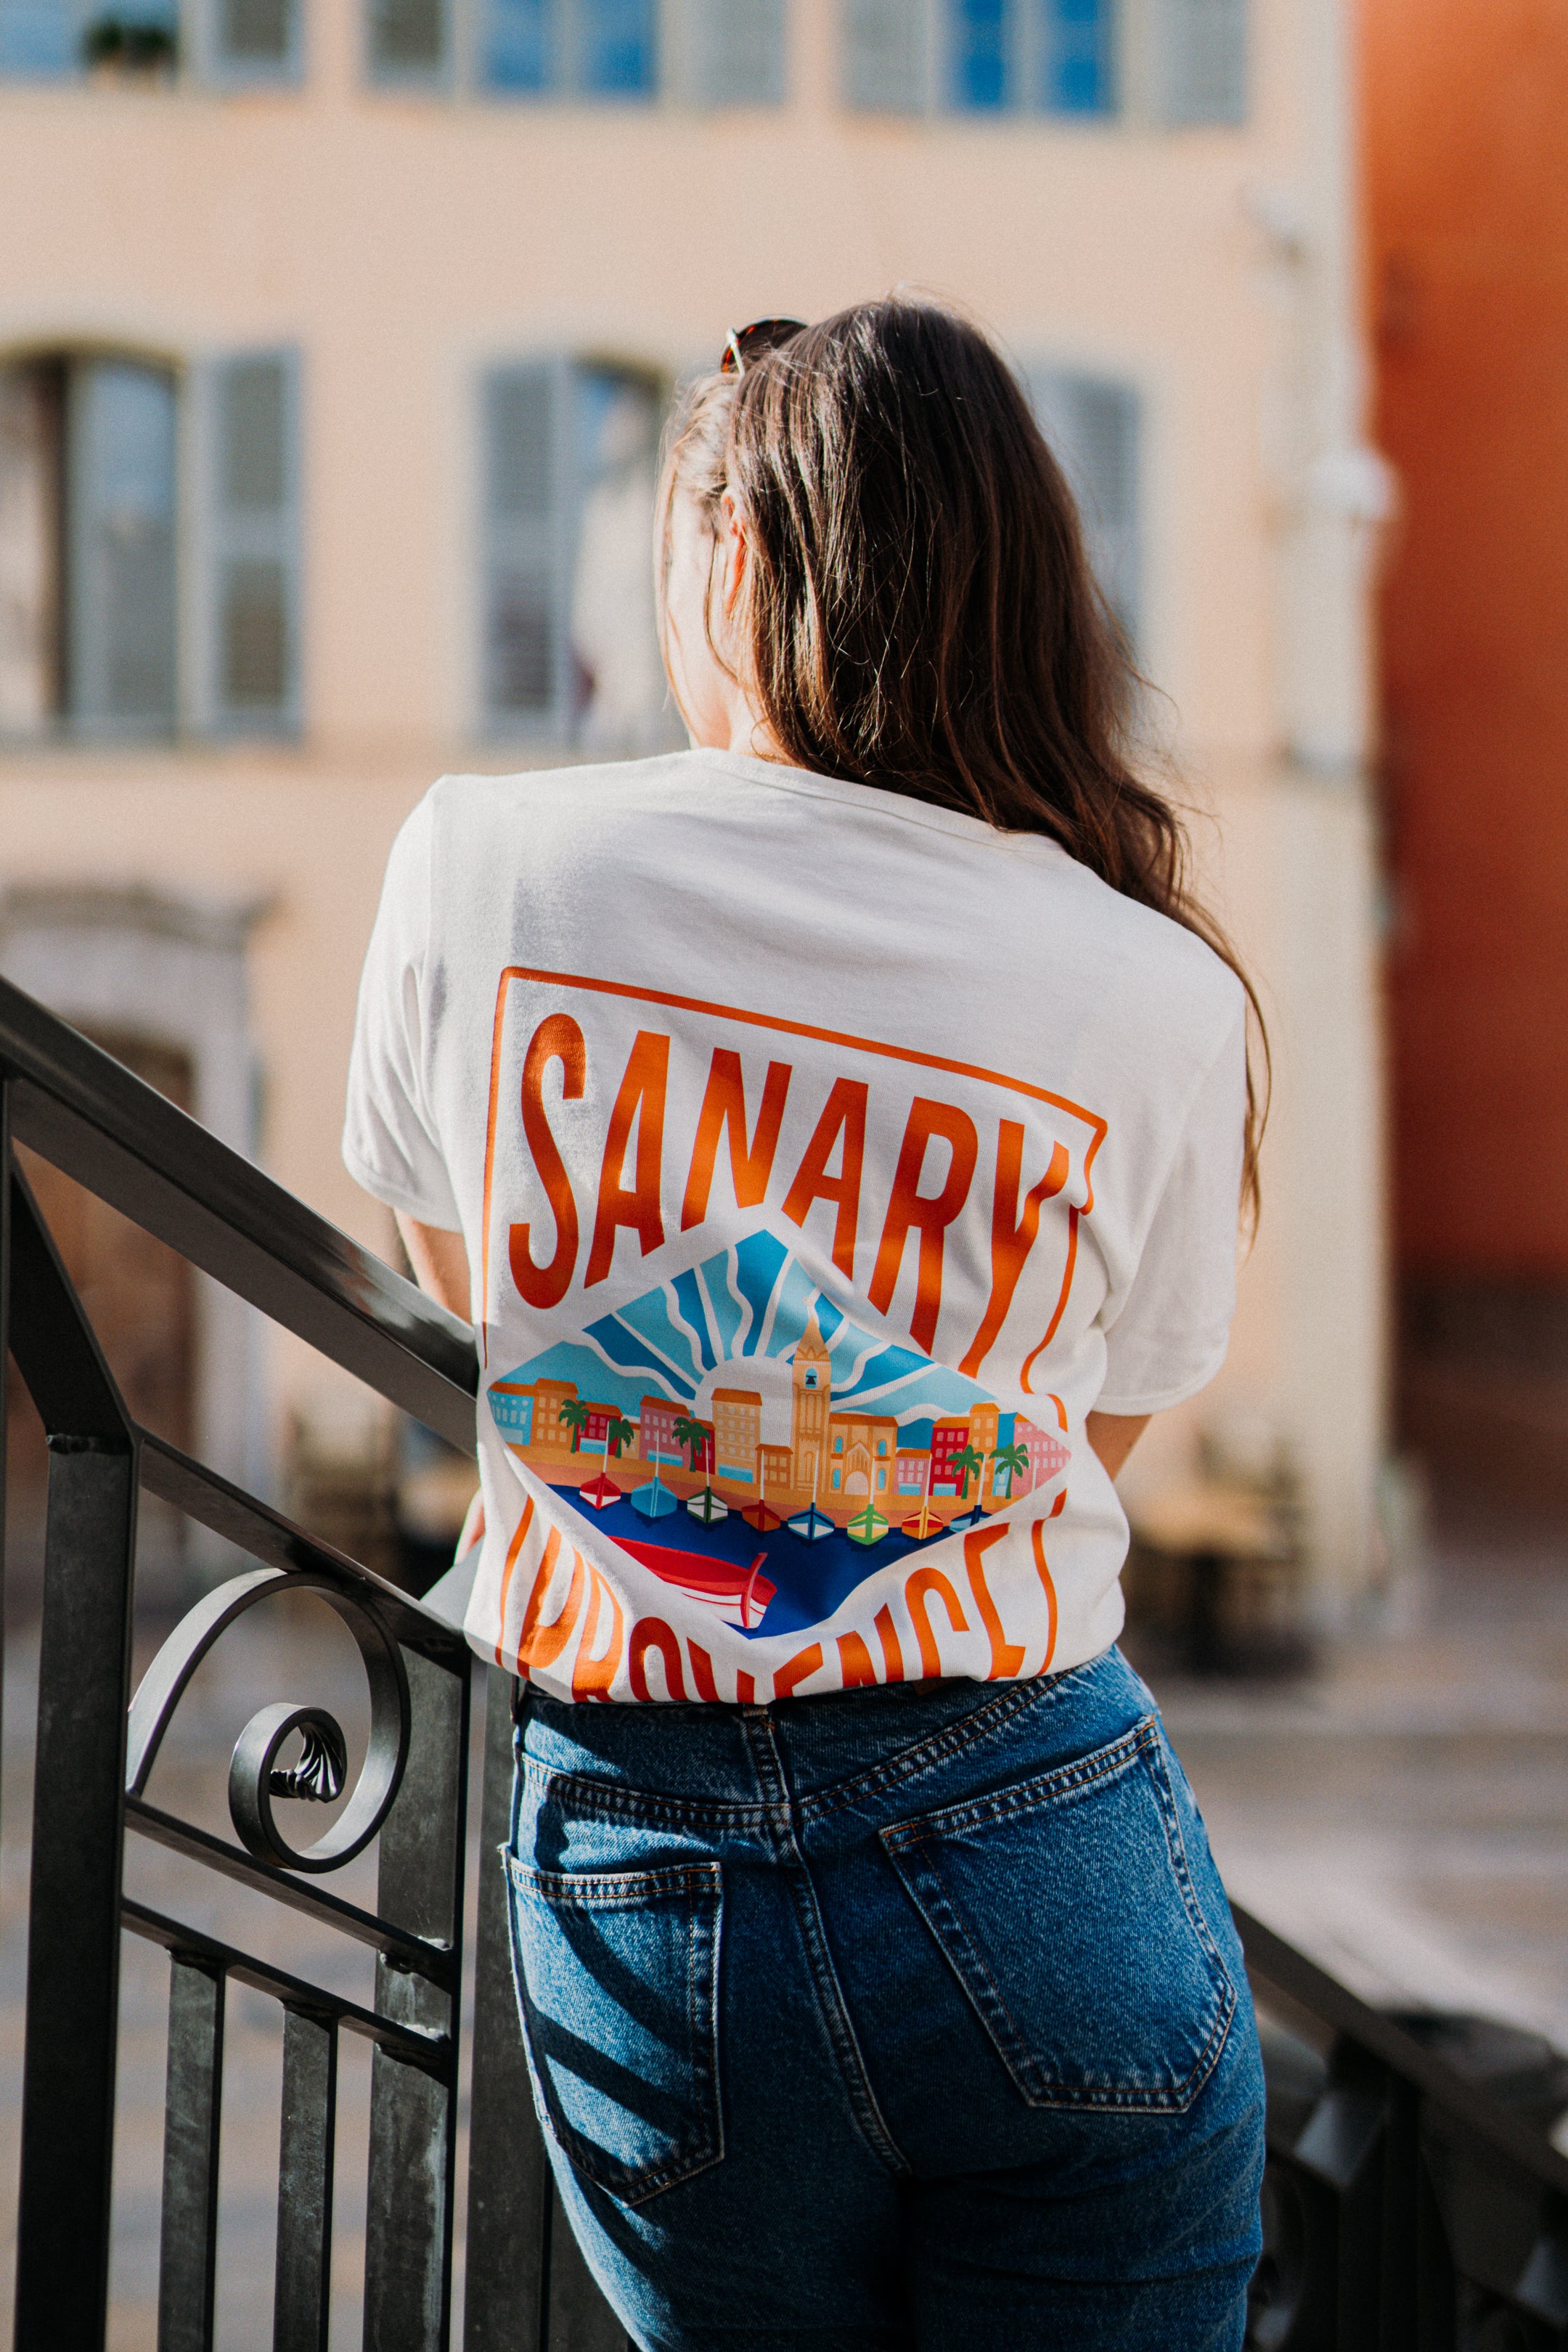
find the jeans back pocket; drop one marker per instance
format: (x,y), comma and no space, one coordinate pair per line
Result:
(617,1984)
(1065,1907)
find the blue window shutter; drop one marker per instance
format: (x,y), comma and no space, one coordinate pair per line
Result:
(521,46)
(40,40)
(979,52)
(1093,424)
(526,657)
(1200,61)
(886,53)
(409,40)
(615,48)
(119,508)
(1078,56)
(738,52)
(246,656)
(243,41)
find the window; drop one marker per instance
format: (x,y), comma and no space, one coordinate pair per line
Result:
(1058,58)
(1092,426)
(87,547)
(1200,61)
(577,49)
(250,40)
(91,641)
(571,650)
(229,40)
(709,53)
(49,40)
(1051,56)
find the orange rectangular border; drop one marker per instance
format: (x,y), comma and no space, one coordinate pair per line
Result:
(781,1027)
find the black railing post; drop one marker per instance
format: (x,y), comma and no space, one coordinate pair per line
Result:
(192,2119)
(301,2306)
(507,2279)
(5,1351)
(527,2288)
(412,2115)
(84,1673)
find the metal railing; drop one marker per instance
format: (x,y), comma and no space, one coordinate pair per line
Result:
(1404,2210)
(96,1748)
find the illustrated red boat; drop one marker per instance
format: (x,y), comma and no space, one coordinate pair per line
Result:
(723,1583)
(600,1493)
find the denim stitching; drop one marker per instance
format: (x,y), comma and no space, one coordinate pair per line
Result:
(620,1887)
(1069,1783)
(611,1800)
(941,1747)
(842,2038)
(704,2069)
(1064,1782)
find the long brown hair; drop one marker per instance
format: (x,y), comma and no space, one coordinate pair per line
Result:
(919,612)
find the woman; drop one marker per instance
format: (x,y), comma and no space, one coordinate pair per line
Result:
(837,1133)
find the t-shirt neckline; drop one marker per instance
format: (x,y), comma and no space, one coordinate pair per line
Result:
(783,777)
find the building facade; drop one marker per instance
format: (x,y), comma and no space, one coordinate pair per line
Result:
(1467,158)
(334,340)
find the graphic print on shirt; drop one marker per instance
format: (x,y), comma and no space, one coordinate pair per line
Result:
(744,1439)
(768,1313)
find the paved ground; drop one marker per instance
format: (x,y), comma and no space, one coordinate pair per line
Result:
(1403,1817)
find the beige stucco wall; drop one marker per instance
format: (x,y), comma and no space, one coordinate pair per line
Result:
(404,242)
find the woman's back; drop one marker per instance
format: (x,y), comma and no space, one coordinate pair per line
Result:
(823,1158)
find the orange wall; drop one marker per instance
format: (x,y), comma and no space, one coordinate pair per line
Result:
(1466,125)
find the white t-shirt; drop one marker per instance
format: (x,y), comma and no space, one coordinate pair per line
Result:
(823,1159)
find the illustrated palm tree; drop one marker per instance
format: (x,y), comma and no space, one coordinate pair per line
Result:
(576,1416)
(1010,1458)
(617,1432)
(692,1434)
(969,1465)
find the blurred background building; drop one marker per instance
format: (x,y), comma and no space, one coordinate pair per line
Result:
(335,337)
(1467,229)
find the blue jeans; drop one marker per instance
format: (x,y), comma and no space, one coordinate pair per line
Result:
(909,2017)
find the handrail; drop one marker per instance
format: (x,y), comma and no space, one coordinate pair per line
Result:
(1314,1991)
(87,1115)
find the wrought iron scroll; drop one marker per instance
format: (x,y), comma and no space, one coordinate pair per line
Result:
(254,1779)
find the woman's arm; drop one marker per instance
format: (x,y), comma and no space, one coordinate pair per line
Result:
(440,1263)
(1113,1434)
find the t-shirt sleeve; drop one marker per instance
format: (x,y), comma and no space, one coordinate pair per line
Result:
(392,1142)
(1169,1340)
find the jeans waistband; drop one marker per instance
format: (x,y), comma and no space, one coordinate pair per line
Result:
(702,1751)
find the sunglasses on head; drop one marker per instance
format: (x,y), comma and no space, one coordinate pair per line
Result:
(753,343)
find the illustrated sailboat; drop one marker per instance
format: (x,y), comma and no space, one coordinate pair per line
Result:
(599,1493)
(867,1527)
(655,1501)
(761,1514)
(925,1521)
(810,1525)
(707,1507)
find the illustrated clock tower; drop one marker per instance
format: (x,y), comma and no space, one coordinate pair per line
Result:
(810,1408)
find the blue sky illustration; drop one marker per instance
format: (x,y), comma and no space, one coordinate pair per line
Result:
(754,1300)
